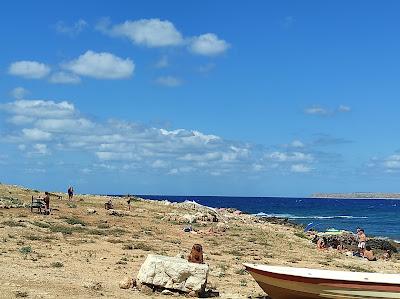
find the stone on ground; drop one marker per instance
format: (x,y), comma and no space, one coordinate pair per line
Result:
(126,283)
(173,273)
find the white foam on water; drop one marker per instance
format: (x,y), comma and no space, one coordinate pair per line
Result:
(290,216)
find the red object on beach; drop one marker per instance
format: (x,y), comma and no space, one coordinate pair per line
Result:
(302,283)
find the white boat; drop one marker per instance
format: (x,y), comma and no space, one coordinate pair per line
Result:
(302,283)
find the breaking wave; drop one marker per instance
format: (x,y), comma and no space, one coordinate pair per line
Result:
(290,216)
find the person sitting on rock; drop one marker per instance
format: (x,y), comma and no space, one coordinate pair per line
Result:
(108,205)
(196,255)
(322,243)
(387,255)
(368,254)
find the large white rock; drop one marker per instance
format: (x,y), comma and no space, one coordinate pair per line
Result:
(173,273)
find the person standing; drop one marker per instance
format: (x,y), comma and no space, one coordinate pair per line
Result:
(129,201)
(70,192)
(46,200)
(362,240)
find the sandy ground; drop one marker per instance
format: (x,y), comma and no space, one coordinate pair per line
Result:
(53,257)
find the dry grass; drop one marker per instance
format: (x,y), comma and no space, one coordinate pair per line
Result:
(99,249)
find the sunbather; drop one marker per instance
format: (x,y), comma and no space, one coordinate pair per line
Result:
(322,243)
(368,254)
(387,255)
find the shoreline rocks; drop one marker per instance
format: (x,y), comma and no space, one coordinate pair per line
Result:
(350,242)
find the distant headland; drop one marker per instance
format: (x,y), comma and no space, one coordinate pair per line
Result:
(358,195)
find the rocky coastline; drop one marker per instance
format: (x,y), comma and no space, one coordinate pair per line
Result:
(82,250)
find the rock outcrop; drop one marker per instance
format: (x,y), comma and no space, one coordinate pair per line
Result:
(10,202)
(350,242)
(118,213)
(172,273)
(90,211)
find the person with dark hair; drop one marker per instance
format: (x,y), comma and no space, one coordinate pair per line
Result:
(322,243)
(387,255)
(362,239)
(196,255)
(130,199)
(368,254)
(46,200)
(70,192)
(108,205)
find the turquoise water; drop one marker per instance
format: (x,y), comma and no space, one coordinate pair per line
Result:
(379,217)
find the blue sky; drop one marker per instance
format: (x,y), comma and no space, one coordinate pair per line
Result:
(268,98)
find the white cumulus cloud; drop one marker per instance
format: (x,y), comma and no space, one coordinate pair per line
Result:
(39,108)
(36,134)
(154,33)
(71,30)
(131,146)
(300,168)
(288,157)
(297,143)
(40,149)
(392,162)
(344,108)
(316,110)
(64,78)
(101,66)
(19,93)
(169,81)
(29,69)
(208,44)
(147,32)
(162,62)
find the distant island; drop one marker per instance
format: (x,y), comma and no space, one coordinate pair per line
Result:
(358,195)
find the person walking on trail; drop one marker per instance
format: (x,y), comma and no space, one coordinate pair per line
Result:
(46,200)
(70,192)
(129,203)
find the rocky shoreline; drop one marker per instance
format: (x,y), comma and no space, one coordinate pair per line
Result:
(83,250)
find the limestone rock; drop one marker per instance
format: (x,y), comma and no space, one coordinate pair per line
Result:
(201,216)
(145,289)
(126,283)
(173,273)
(220,227)
(91,211)
(167,292)
(187,218)
(118,213)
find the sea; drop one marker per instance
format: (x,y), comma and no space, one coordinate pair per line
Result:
(378,217)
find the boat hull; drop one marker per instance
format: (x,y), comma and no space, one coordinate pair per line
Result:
(282,286)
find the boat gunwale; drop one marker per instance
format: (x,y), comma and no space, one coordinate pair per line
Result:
(269,271)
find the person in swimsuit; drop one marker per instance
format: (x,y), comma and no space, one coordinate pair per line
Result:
(362,239)
(368,254)
(387,255)
(322,243)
